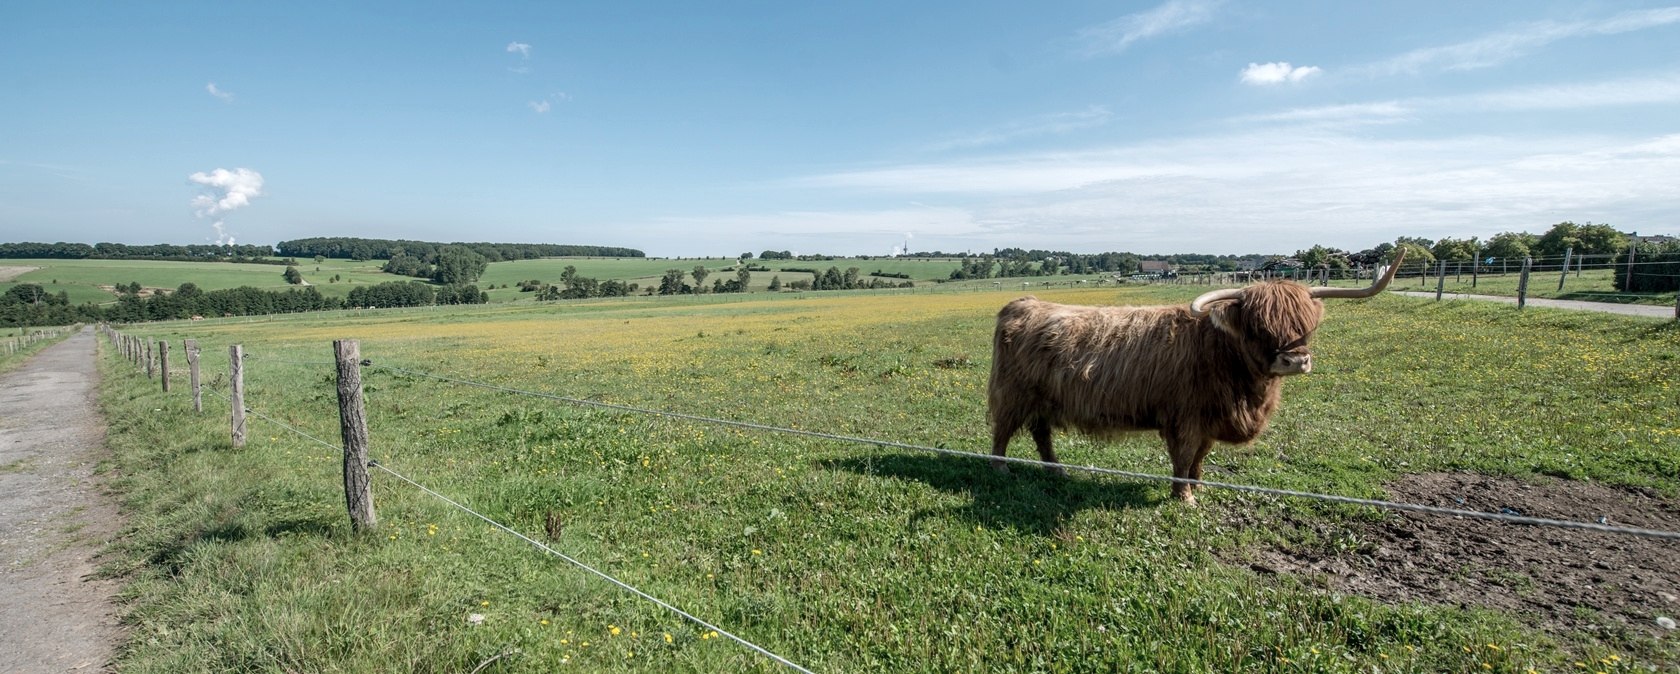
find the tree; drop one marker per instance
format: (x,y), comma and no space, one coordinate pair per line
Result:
(1455,249)
(293,276)
(1588,239)
(700,273)
(1510,245)
(458,265)
(672,282)
(776,284)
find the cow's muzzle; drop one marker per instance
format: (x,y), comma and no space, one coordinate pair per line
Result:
(1292,362)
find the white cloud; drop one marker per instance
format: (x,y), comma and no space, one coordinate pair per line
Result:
(539,107)
(1497,48)
(1353,113)
(1117,35)
(230,190)
(1043,125)
(218,92)
(524,50)
(1263,74)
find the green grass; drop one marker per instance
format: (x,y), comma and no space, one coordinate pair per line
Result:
(1592,285)
(88,280)
(838,556)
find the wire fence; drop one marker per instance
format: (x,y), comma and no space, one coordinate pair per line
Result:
(382,466)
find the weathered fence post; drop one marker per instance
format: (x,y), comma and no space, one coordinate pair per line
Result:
(1475,267)
(163,363)
(1522,283)
(1440,278)
(191,347)
(358,493)
(236,377)
(1567,254)
(151,367)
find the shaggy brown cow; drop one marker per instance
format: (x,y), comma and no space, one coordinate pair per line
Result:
(1210,371)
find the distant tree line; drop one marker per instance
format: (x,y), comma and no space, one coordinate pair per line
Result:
(29,304)
(448,265)
(385,249)
(121,251)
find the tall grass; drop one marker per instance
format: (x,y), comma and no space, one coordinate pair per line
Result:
(837,556)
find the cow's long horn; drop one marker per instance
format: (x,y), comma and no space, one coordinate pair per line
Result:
(1198,306)
(1374,288)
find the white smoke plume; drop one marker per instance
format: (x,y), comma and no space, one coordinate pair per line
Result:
(225,191)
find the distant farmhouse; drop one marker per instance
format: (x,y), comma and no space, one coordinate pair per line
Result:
(1160,268)
(1635,238)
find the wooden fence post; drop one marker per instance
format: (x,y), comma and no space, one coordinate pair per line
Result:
(1567,254)
(191,347)
(358,493)
(236,376)
(1440,278)
(163,363)
(1475,267)
(151,368)
(1522,283)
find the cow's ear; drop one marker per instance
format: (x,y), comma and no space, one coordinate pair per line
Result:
(1227,316)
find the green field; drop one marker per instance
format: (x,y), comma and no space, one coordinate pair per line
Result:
(1592,285)
(839,556)
(91,280)
(18,344)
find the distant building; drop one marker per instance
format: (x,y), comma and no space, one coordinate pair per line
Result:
(1635,238)
(1156,267)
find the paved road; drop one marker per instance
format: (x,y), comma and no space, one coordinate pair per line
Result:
(1575,305)
(54,516)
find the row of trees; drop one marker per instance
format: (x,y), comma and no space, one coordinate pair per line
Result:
(385,249)
(27,304)
(121,251)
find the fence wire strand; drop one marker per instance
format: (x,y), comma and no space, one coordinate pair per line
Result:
(545,548)
(1270,491)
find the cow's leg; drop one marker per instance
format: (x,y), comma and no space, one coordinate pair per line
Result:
(1196,464)
(1184,449)
(1046,451)
(1003,428)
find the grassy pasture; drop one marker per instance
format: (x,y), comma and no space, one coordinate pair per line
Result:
(81,279)
(838,556)
(1592,285)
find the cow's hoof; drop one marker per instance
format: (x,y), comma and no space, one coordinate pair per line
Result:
(1001,467)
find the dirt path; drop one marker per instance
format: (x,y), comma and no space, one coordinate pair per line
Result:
(54,515)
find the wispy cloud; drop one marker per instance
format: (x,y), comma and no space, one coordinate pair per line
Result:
(1497,48)
(1283,188)
(1640,90)
(218,92)
(524,50)
(1117,35)
(1043,125)
(545,104)
(1280,72)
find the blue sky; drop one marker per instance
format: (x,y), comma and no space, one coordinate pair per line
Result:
(687,128)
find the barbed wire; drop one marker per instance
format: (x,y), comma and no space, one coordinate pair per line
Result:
(1271,491)
(579,564)
(689,616)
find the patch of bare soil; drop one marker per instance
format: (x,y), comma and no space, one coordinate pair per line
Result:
(1555,579)
(9,273)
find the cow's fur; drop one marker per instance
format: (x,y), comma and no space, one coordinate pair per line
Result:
(1193,379)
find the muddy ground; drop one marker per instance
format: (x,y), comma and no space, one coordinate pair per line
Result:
(1559,580)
